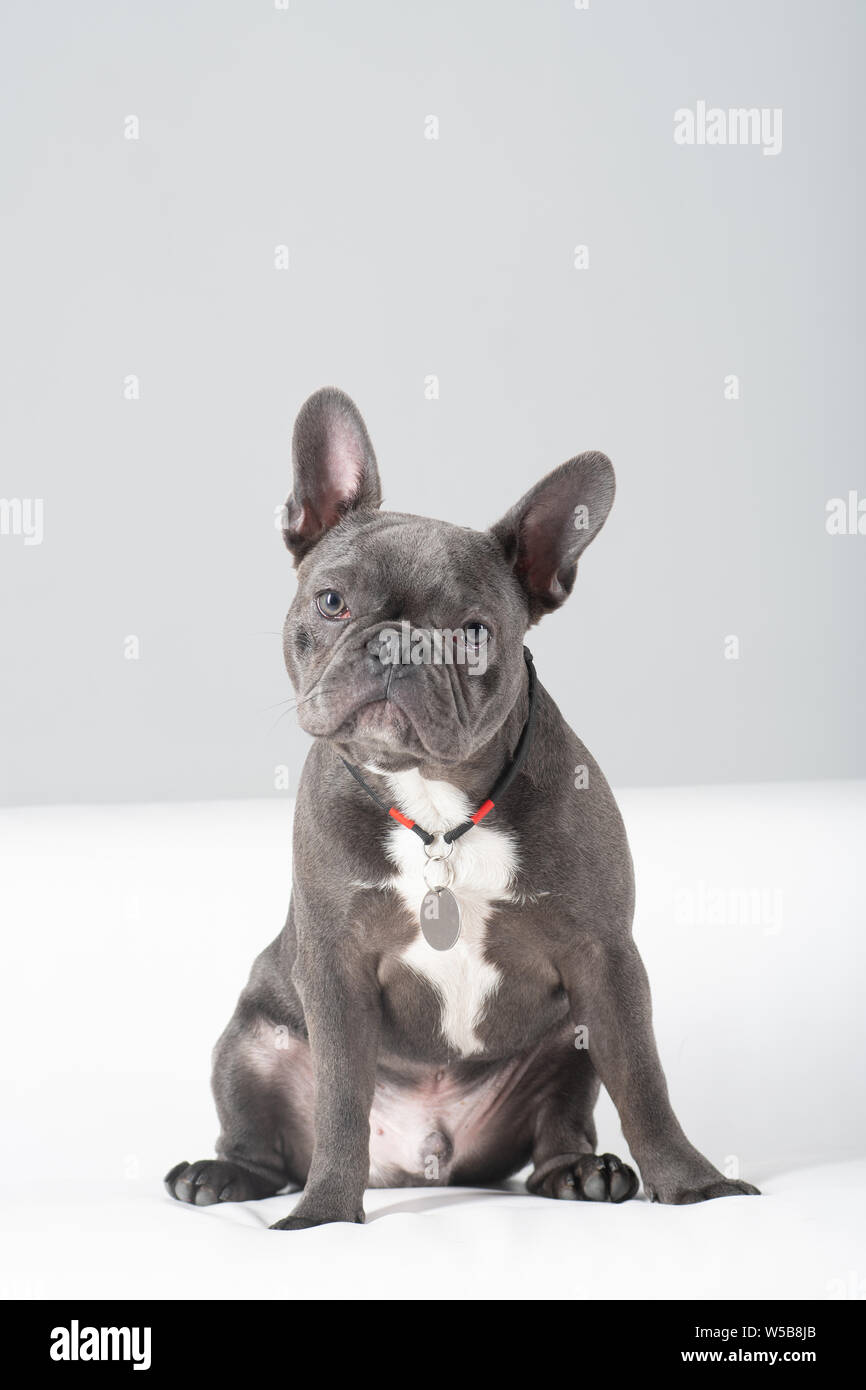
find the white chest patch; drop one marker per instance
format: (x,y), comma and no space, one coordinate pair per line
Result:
(485,864)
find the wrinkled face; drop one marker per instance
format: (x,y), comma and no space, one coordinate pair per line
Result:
(404,642)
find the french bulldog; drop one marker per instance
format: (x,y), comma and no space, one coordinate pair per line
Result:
(360,1054)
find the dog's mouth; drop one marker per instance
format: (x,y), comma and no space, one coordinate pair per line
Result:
(378,718)
(371,724)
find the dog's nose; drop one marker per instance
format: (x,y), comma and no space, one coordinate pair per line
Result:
(392,645)
(380,660)
(378,651)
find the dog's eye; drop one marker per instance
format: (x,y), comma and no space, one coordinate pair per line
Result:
(331,604)
(477,635)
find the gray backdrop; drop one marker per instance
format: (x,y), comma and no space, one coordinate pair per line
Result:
(412,257)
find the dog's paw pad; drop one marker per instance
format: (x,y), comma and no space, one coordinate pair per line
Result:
(213,1180)
(588,1178)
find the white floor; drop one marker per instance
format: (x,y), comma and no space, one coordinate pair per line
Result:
(128,932)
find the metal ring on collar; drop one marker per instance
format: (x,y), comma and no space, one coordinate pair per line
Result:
(439,837)
(448,875)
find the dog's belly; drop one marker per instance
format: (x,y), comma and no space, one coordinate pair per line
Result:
(440,1126)
(458,1122)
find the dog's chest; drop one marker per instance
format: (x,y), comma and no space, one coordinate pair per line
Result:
(484,864)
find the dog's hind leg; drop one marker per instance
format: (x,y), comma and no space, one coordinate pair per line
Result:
(262,1083)
(565,1163)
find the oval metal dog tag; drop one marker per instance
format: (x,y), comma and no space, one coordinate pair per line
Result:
(440,919)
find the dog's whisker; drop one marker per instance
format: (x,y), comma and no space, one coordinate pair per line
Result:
(294,704)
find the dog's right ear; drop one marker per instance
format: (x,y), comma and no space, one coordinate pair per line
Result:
(334,469)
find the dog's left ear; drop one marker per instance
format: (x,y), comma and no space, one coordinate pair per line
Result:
(544,535)
(334,469)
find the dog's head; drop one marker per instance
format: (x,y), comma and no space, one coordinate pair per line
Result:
(405,639)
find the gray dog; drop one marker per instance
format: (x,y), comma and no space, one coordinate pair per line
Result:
(457,972)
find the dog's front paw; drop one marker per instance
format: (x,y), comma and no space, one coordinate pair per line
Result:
(683,1194)
(584,1178)
(301,1222)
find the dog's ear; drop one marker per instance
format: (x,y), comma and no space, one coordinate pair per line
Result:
(334,469)
(544,535)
